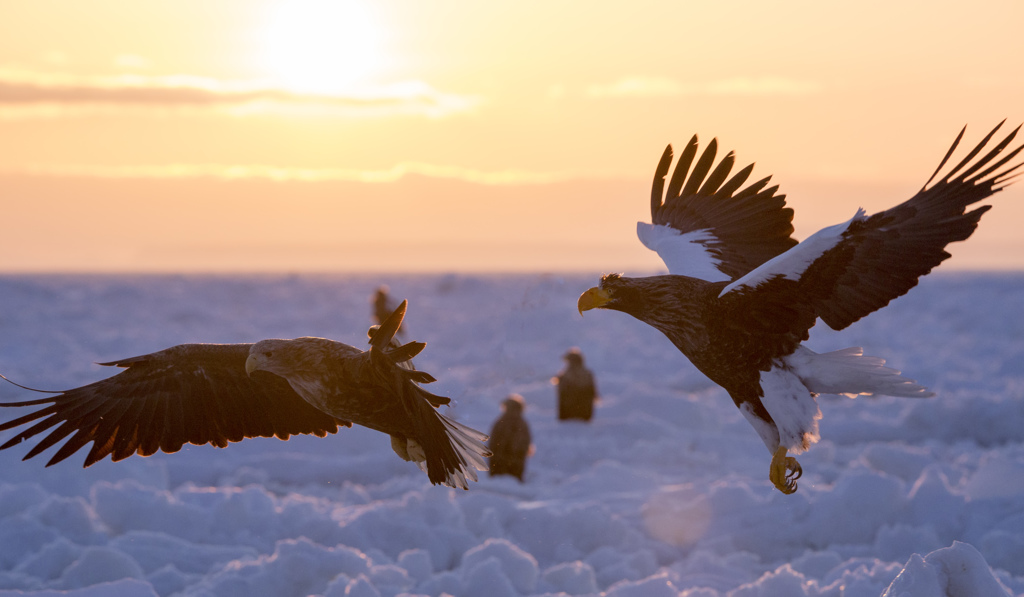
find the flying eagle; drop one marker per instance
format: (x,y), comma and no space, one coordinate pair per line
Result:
(220,393)
(742,294)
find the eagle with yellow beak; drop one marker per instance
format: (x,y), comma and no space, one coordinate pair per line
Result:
(741,294)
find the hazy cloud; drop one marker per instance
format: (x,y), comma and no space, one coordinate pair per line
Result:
(638,87)
(286,173)
(131,61)
(66,93)
(762,86)
(651,87)
(56,58)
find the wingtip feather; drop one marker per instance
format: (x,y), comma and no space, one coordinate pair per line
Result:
(381,337)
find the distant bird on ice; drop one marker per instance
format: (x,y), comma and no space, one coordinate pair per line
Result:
(510,441)
(220,393)
(742,294)
(576,388)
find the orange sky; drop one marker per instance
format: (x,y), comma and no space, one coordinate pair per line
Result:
(454,136)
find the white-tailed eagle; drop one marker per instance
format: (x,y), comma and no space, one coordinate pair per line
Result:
(742,294)
(221,393)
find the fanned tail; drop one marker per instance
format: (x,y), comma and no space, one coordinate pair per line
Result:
(447,450)
(472,451)
(849,372)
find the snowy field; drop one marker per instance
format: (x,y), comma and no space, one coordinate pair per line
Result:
(665,493)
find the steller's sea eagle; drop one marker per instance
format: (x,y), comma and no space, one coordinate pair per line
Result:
(220,393)
(577,390)
(511,442)
(742,294)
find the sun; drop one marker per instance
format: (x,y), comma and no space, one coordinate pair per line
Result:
(322,46)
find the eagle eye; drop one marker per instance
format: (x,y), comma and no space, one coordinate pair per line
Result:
(268,354)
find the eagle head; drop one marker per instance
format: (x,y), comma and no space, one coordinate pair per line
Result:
(614,292)
(284,358)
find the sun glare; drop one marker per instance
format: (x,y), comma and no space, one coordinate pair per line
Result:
(322,46)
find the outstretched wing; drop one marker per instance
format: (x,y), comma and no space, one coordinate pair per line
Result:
(707,227)
(850,270)
(190,393)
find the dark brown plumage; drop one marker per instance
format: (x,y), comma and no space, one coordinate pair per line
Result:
(510,443)
(167,399)
(750,226)
(742,295)
(577,390)
(221,393)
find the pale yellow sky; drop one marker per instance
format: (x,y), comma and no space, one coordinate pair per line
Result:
(329,135)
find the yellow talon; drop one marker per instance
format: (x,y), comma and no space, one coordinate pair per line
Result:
(784,471)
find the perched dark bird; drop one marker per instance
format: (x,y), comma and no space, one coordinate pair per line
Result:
(510,442)
(742,295)
(220,393)
(577,390)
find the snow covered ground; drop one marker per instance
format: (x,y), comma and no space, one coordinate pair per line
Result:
(664,493)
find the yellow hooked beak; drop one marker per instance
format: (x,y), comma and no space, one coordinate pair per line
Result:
(592,299)
(251,364)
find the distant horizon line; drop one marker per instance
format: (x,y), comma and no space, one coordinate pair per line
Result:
(399,172)
(955,270)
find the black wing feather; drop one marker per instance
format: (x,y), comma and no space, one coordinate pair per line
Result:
(749,226)
(882,257)
(675,186)
(658,185)
(715,180)
(190,393)
(76,443)
(701,169)
(736,181)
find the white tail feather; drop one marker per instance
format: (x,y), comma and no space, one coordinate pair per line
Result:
(469,445)
(848,372)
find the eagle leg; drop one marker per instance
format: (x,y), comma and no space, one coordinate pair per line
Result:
(784,471)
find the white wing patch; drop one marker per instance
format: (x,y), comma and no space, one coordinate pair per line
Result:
(683,253)
(794,262)
(792,407)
